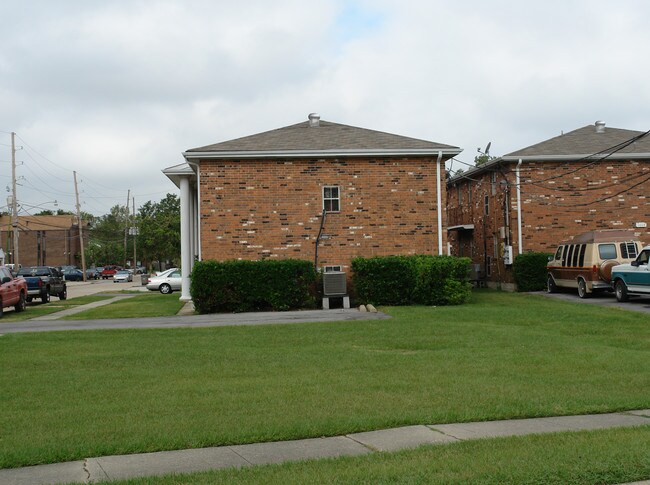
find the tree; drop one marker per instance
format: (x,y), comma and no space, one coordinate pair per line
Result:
(159,230)
(106,237)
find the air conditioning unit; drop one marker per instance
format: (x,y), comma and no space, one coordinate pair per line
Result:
(334,284)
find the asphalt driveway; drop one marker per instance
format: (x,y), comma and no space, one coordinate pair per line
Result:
(602,299)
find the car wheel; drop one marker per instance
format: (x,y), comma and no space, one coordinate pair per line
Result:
(64,294)
(551,287)
(29,299)
(165,289)
(46,297)
(20,306)
(582,288)
(621,291)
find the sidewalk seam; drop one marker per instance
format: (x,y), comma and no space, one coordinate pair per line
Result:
(240,456)
(371,448)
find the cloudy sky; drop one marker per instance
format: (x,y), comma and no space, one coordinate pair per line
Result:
(116,90)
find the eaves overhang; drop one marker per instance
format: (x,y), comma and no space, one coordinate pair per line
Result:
(461,227)
(576,157)
(261,154)
(177,172)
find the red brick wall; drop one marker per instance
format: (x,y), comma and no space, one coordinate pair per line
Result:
(559,200)
(254,209)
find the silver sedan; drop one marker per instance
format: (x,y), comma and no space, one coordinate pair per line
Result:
(166,282)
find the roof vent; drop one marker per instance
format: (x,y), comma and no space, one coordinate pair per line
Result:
(600,127)
(314,120)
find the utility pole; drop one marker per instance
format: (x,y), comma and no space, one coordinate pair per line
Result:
(135,235)
(126,228)
(81,237)
(14,205)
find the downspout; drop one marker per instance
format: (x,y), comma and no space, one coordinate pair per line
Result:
(518,180)
(198,206)
(439,207)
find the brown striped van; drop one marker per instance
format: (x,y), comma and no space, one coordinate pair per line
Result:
(585,262)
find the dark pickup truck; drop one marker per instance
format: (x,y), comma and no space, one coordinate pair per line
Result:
(43,282)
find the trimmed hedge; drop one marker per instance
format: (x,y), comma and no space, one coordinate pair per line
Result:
(529,270)
(241,286)
(403,280)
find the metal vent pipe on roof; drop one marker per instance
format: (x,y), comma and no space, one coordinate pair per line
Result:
(314,120)
(600,127)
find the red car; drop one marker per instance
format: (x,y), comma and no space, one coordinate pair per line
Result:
(109,271)
(13,291)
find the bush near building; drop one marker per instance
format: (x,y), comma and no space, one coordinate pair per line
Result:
(530,271)
(241,286)
(404,280)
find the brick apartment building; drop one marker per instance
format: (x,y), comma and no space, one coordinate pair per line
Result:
(272,194)
(532,199)
(42,240)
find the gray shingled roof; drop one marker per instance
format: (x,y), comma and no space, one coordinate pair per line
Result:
(327,138)
(586,141)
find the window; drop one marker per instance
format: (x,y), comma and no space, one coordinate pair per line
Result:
(581,260)
(494,183)
(331,269)
(488,266)
(486,205)
(469,193)
(558,253)
(628,250)
(459,189)
(331,199)
(569,258)
(607,251)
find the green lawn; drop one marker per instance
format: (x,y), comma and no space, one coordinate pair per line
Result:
(142,305)
(69,395)
(605,456)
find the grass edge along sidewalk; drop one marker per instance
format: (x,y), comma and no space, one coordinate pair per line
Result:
(126,467)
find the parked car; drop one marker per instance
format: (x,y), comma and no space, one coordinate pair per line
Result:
(586,261)
(93,274)
(43,282)
(109,271)
(123,275)
(166,281)
(13,291)
(633,278)
(73,274)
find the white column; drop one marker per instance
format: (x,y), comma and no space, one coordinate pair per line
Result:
(186,239)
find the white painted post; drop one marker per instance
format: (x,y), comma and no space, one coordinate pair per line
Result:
(186,239)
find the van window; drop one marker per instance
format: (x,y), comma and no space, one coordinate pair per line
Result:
(576,254)
(628,250)
(569,258)
(558,253)
(607,251)
(564,253)
(581,258)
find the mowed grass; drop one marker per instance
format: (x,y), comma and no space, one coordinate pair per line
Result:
(142,305)
(69,395)
(604,456)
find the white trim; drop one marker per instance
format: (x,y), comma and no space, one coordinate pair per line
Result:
(238,154)
(577,157)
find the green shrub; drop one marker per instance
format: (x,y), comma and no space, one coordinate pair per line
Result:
(240,286)
(530,271)
(402,280)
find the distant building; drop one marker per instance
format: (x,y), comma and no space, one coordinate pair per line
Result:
(43,240)
(314,186)
(534,198)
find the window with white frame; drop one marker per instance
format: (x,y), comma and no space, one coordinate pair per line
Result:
(332,269)
(331,199)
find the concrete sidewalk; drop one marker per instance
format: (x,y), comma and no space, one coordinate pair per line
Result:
(121,467)
(80,308)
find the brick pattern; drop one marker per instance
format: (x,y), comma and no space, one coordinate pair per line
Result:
(559,201)
(255,209)
(55,247)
